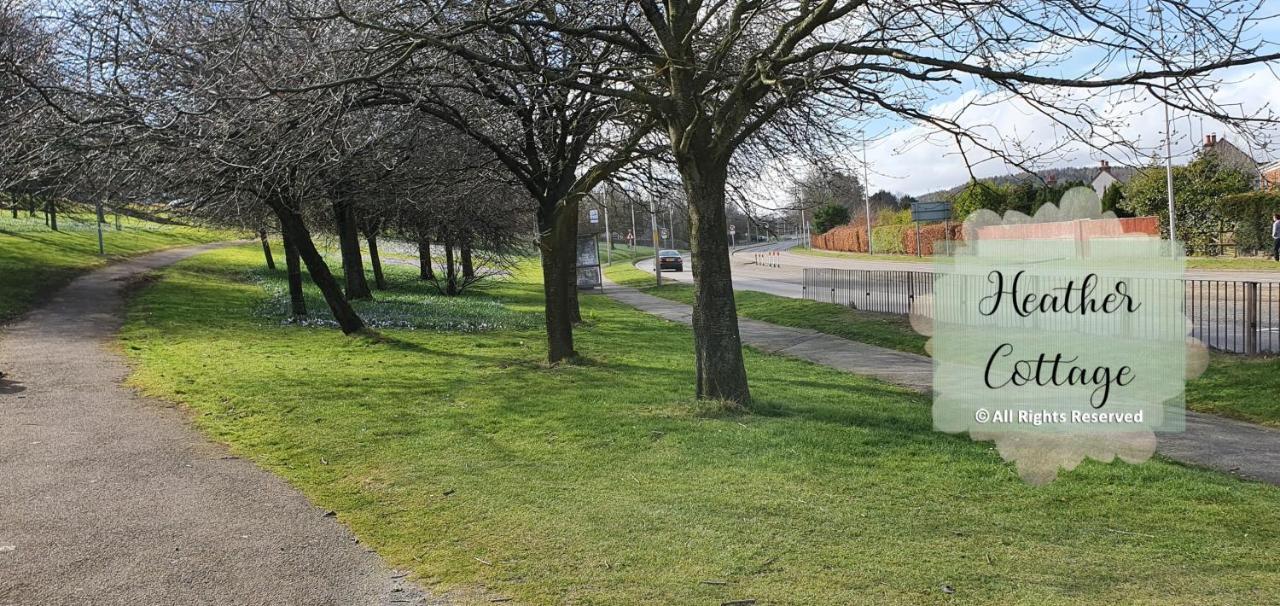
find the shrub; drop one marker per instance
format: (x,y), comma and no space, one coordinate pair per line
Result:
(1249,215)
(888,239)
(825,218)
(931,237)
(846,238)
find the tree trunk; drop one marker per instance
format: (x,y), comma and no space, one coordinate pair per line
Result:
(556,225)
(52,209)
(451,275)
(295,229)
(266,249)
(721,373)
(379,279)
(14,208)
(297,303)
(468,270)
(424,259)
(349,242)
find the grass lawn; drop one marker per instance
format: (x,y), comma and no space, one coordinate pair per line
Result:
(622,254)
(462,457)
(886,330)
(1240,387)
(1241,263)
(814,252)
(1233,386)
(35,261)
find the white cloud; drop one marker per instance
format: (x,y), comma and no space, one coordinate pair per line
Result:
(917,159)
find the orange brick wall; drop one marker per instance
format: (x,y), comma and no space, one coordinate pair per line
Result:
(853,237)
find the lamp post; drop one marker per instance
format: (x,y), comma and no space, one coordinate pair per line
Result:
(1168,135)
(866,195)
(653,219)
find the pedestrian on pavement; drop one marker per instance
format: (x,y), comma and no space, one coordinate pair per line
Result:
(1275,235)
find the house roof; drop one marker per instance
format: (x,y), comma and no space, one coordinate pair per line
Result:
(1120,173)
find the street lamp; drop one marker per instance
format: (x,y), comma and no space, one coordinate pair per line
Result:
(1168,135)
(866,192)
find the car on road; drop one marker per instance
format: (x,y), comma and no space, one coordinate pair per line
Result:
(670,260)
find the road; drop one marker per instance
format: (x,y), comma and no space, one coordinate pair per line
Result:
(746,275)
(796,261)
(1214,297)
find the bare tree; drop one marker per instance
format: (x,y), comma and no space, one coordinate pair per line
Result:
(557,142)
(776,73)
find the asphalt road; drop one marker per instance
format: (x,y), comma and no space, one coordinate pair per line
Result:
(110,498)
(773,268)
(747,276)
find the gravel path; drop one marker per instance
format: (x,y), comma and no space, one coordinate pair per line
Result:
(112,498)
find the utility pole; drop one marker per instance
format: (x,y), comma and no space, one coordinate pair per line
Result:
(608,237)
(634,233)
(653,219)
(866,196)
(671,224)
(1168,134)
(803,229)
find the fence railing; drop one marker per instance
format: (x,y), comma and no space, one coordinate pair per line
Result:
(1236,316)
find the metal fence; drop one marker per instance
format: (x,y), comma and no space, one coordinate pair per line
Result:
(1228,315)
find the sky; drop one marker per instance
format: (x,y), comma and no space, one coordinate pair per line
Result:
(909,158)
(914,159)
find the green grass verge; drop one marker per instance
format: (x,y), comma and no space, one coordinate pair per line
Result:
(623,255)
(408,303)
(35,261)
(886,330)
(1233,386)
(465,459)
(1240,387)
(1238,263)
(813,252)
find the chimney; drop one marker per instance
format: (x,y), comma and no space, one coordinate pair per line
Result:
(1105,166)
(1210,140)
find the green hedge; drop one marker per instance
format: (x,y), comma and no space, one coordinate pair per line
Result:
(1250,215)
(888,239)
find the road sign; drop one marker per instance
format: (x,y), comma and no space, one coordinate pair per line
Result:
(664,233)
(733,229)
(930,211)
(593,215)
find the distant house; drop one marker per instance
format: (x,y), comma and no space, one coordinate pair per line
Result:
(1270,176)
(1108,176)
(1231,156)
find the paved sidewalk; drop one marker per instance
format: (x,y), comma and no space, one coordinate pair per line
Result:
(1235,447)
(888,365)
(111,498)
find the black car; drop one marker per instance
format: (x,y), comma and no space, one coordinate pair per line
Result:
(670,259)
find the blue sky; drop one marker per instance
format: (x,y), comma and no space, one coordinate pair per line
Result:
(907,159)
